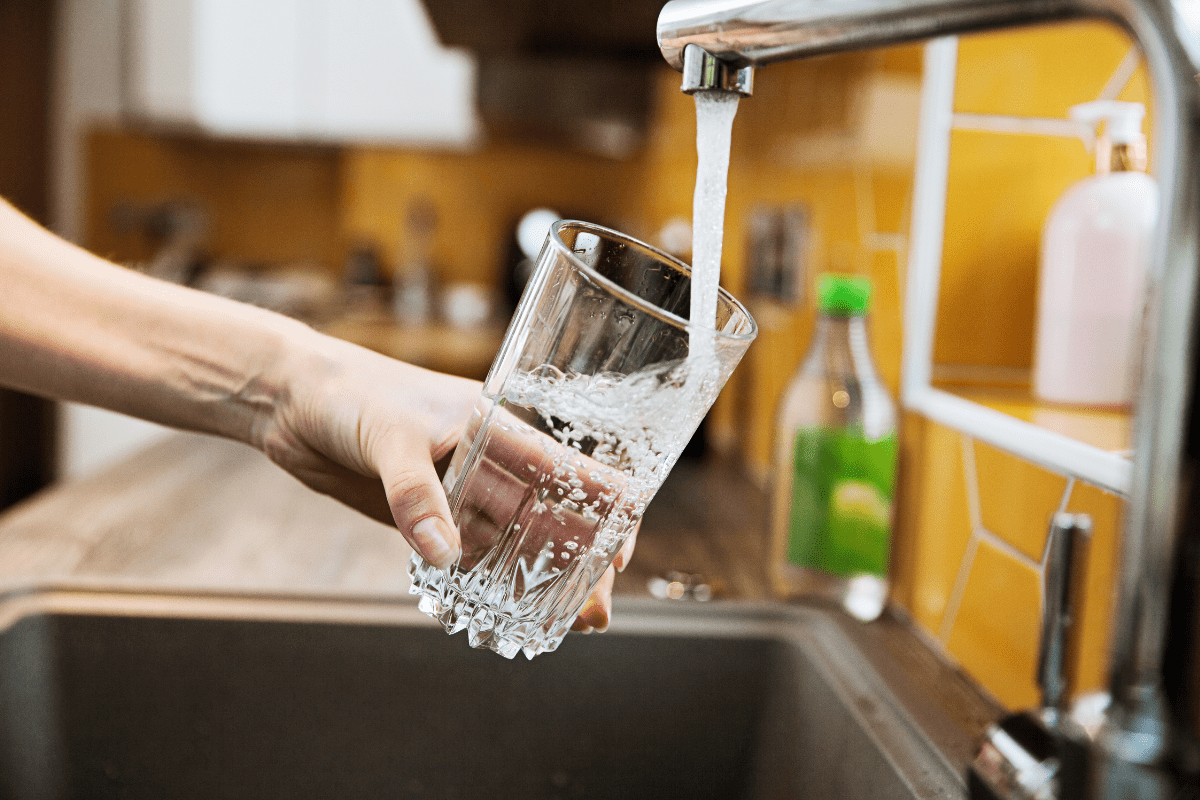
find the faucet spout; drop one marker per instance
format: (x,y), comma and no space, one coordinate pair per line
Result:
(1154,721)
(704,72)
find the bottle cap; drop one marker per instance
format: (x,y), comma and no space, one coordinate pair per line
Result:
(847,295)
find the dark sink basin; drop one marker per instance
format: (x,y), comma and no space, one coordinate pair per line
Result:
(142,695)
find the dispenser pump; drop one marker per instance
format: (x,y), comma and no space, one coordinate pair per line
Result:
(1122,146)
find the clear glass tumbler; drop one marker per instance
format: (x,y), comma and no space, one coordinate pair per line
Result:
(599,385)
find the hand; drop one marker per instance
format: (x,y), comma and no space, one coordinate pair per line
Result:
(597,611)
(519,463)
(366,430)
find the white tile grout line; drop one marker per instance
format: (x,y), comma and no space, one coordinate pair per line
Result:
(870,239)
(971,476)
(864,205)
(971,482)
(1066,498)
(1062,507)
(1041,565)
(1010,550)
(959,589)
(1123,74)
(981,534)
(888,241)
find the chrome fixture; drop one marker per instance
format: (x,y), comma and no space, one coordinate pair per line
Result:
(1044,754)
(1066,545)
(703,71)
(1150,743)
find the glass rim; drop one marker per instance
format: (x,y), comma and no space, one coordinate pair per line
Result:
(634,299)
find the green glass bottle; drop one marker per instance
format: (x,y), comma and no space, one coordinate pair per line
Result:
(835,463)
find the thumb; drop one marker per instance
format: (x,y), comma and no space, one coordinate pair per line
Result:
(419,508)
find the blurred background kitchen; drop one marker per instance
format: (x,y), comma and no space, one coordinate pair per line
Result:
(366,167)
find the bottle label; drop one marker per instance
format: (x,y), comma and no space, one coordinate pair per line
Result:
(841,505)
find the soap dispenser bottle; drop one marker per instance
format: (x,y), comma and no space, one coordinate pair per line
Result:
(835,463)
(1094,253)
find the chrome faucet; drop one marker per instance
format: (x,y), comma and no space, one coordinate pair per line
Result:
(1150,742)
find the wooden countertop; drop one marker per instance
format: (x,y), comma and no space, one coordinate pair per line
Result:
(198,512)
(195,512)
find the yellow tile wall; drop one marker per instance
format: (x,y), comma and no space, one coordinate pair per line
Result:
(973,558)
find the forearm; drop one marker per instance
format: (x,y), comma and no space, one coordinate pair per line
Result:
(76,327)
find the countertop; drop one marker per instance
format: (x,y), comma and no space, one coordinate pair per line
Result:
(196,512)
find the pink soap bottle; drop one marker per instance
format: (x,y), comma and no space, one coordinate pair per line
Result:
(1095,250)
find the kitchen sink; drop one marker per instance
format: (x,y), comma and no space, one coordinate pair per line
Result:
(137,694)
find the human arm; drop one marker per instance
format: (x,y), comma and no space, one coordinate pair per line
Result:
(346,421)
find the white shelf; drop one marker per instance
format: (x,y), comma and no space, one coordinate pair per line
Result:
(1053,450)
(1057,452)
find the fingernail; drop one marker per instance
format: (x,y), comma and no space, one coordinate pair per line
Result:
(594,615)
(433,542)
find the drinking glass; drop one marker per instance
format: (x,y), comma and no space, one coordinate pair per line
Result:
(598,386)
